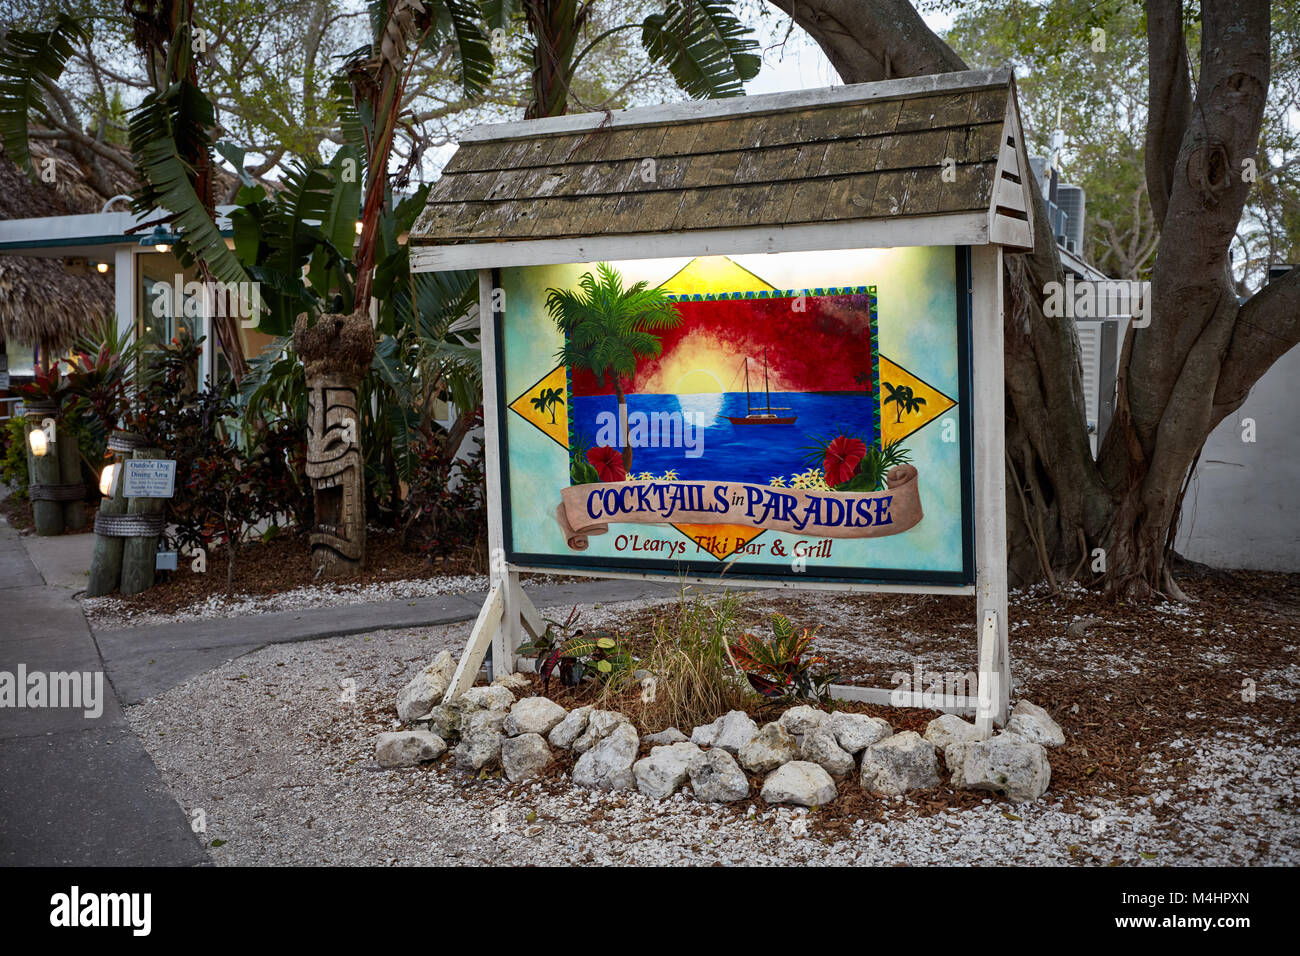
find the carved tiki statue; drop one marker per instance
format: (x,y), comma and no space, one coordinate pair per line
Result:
(336,354)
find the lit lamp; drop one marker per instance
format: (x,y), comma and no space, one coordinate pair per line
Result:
(106,480)
(360,226)
(160,239)
(37,441)
(101,267)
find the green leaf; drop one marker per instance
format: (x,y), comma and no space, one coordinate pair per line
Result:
(703,45)
(458,21)
(339,220)
(30,60)
(160,127)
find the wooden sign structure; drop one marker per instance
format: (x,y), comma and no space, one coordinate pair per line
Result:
(895,202)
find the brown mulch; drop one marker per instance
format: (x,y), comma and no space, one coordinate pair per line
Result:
(1115,722)
(284,563)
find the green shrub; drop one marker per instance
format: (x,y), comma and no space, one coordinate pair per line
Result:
(13,456)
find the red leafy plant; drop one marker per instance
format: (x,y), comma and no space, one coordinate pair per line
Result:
(777,667)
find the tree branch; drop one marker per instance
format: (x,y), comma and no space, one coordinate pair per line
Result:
(868,40)
(1268,326)
(1169,100)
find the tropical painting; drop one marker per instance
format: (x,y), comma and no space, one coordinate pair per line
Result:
(715,415)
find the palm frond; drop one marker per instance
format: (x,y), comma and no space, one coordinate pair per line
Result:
(707,50)
(29,61)
(158,125)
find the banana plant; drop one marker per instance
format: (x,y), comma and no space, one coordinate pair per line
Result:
(29,61)
(703,45)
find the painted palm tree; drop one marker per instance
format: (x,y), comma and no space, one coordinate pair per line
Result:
(547,400)
(906,401)
(607,329)
(864,379)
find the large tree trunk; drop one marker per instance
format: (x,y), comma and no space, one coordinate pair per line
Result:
(1180,376)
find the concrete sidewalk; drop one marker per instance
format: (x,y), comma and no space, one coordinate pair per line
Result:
(146,661)
(74,790)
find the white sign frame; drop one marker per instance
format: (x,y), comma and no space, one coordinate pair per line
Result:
(131,483)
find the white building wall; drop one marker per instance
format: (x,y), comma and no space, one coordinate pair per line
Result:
(1242,508)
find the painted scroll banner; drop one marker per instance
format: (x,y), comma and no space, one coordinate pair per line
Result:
(589,509)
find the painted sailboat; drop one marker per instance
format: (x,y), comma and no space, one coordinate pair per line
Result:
(767,416)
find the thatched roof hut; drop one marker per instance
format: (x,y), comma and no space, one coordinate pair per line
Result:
(41,301)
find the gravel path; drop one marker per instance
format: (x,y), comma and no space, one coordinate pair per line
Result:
(284,772)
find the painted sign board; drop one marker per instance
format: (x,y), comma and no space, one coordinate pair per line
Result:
(149,478)
(758,416)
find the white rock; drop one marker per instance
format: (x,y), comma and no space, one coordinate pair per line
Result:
(1009,765)
(425,689)
(486,698)
(608,765)
(954,755)
(443,720)
(516,683)
(533,715)
(718,778)
(666,769)
(950,729)
(704,735)
(666,737)
(600,724)
(772,746)
(856,732)
(480,739)
(406,748)
(1033,723)
(570,728)
(799,720)
(525,756)
(897,764)
(735,729)
(799,782)
(821,747)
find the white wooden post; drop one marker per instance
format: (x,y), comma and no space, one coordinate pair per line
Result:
(507,636)
(124,289)
(990,485)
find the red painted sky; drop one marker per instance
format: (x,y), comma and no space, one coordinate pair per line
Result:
(820,349)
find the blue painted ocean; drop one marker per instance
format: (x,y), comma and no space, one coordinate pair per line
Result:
(752,453)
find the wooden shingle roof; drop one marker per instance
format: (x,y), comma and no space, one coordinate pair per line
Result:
(923,147)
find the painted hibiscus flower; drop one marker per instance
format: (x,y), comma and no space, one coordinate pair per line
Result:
(842,457)
(608,463)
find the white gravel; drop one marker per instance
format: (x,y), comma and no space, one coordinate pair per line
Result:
(283,768)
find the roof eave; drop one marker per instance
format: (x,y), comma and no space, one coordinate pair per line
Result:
(950,229)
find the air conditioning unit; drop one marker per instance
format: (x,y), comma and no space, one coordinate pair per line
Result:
(1072,203)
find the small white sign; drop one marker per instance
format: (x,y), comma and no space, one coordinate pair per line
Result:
(149,478)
